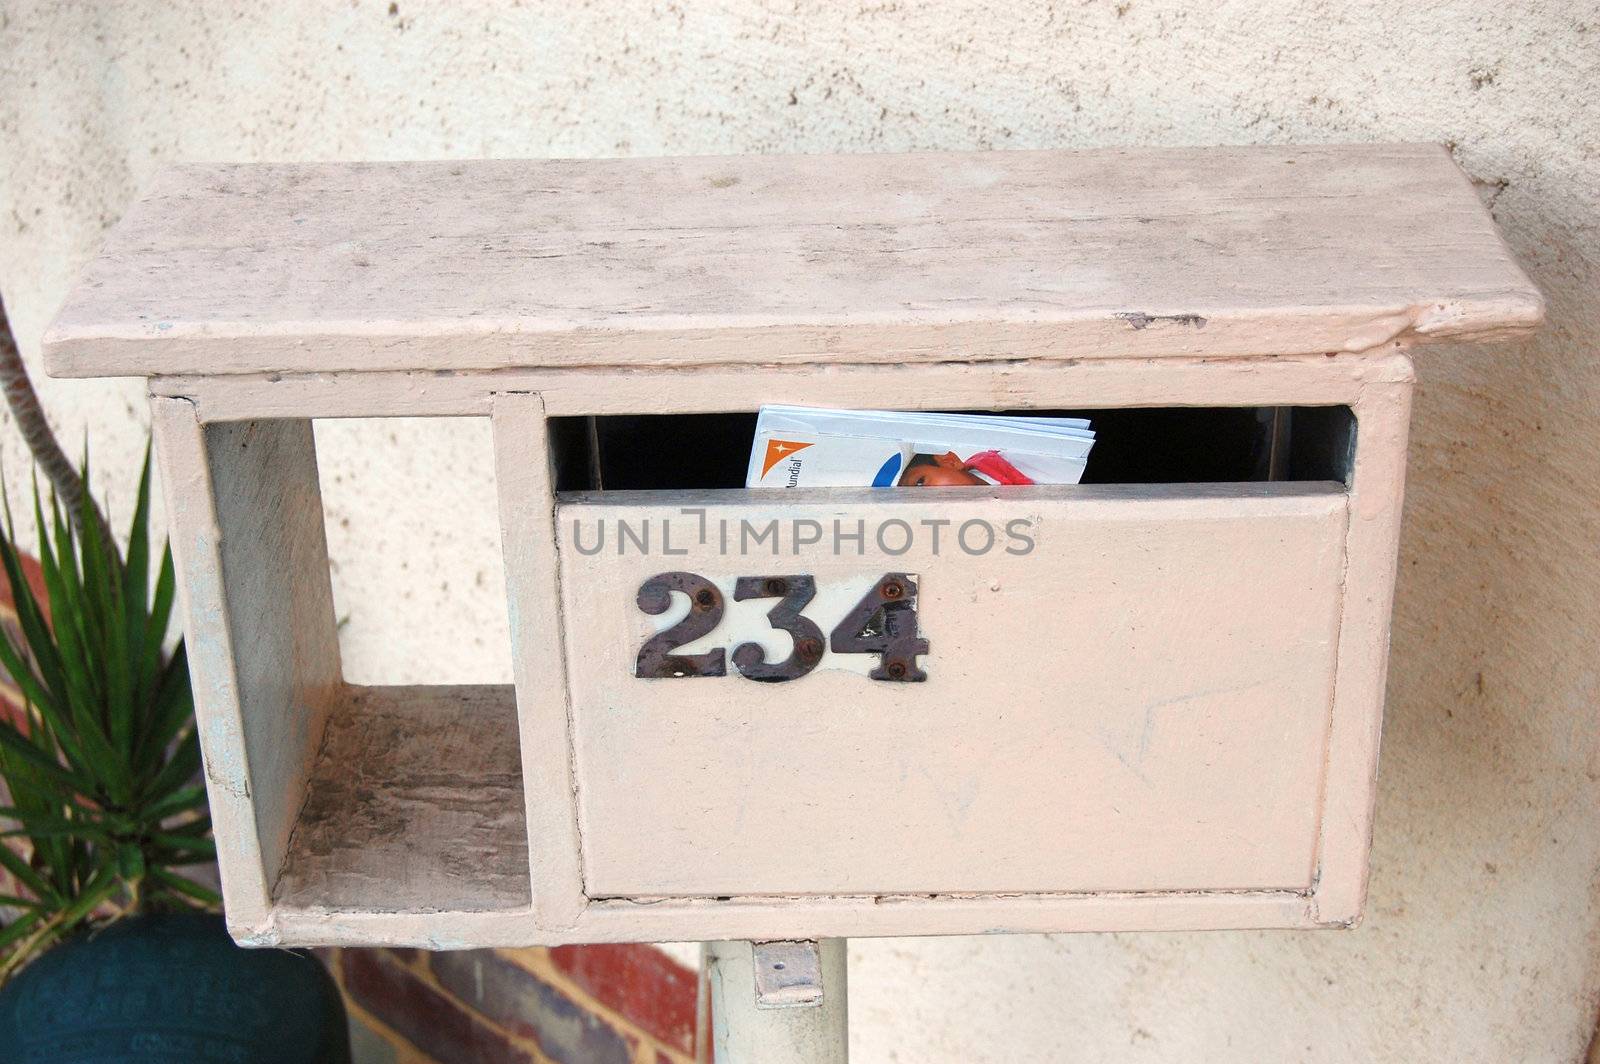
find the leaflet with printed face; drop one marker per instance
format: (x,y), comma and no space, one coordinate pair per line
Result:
(805,447)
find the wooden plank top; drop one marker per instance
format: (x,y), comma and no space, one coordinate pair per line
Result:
(451,266)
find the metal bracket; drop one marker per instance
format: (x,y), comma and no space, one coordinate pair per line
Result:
(788,975)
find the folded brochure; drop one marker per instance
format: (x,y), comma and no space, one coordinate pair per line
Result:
(806,447)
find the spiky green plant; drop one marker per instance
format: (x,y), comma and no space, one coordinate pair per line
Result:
(102,767)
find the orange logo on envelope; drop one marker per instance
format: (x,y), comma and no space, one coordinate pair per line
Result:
(778,450)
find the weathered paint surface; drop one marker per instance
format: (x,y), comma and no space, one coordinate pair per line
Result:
(251,556)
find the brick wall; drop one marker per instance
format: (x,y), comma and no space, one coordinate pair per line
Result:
(570,1005)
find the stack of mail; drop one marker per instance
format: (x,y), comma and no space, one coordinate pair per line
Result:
(803,447)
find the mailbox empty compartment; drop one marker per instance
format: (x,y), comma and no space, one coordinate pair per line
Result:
(1143,671)
(414,804)
(364,798)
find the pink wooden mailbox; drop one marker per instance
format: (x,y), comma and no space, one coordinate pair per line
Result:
(1148,702)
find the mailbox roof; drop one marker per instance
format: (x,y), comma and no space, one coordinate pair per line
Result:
(445,266)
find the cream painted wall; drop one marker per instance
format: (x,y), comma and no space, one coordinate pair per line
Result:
(1484,930)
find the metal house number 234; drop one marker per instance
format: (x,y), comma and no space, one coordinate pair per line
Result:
(884,623)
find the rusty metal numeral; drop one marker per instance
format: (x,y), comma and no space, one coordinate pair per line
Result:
(795,592)
(656,657)
(884,622)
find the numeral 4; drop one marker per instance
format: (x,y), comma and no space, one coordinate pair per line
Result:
(884,622)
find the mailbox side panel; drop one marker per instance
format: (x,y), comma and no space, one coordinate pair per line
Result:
(1377,494)
(245,513)
(523,478)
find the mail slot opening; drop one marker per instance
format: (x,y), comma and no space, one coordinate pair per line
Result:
(1143,445)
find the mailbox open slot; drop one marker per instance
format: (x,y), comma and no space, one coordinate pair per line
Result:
(1170,445)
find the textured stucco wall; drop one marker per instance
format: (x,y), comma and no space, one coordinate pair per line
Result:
(1484,929)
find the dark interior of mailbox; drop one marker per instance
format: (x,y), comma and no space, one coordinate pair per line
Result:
(1146,445)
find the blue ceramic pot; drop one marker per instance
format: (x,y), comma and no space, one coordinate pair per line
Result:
(169,988)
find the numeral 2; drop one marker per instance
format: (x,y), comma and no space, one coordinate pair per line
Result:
(656,657)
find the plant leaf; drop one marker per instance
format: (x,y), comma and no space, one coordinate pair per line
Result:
(40,825)
(106,752)
(13,863)
(156,623)
(18,928)
(20,747)
(28,683)
(130,861)
(102,581)
(204,846)
(184,885)
(99,889)
(136,574)
(179,801)
(171,708)
(180,768)
(74,608)
(200,825)
(74,658)
(35,631)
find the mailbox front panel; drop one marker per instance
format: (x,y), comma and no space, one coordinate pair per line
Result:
(1127,689)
